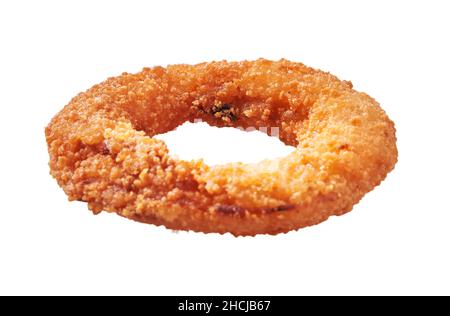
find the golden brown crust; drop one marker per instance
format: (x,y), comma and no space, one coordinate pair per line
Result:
(102,151)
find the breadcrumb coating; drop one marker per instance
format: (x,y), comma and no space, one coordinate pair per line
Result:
(102,151)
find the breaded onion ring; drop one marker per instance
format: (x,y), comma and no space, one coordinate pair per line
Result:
(102,151)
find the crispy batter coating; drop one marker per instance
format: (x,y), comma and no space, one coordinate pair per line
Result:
(102,151)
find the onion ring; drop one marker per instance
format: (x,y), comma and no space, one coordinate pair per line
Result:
(102,151)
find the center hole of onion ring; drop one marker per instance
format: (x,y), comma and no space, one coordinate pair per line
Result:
(222,145)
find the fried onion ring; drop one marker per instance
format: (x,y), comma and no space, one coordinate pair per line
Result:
(102,151)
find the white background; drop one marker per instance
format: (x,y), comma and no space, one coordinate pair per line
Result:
(395,241)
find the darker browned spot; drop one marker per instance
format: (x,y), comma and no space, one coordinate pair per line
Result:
(348,83)
(234,209)
(104,150)
(229,209)
(344,147)
(281,208)
(225,106)
(96,212)
(87,181)
(224,110)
